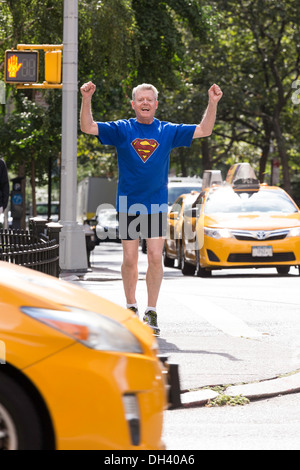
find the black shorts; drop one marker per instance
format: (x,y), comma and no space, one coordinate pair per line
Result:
(132,227)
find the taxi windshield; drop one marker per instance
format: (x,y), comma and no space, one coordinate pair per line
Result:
(227,201)
(176,191)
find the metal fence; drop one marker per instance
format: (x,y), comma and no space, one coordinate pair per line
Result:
(24,248)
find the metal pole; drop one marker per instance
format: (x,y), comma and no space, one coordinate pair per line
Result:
(73,255)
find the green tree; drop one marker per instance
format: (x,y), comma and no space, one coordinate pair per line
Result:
(255,52)
(26,128)
(251,49)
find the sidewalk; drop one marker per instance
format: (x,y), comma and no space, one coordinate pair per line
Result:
(197,388)
(252,391)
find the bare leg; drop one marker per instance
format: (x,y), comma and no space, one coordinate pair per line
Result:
(155,269)
(129,269)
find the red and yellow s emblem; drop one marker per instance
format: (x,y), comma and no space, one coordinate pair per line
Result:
(144,147)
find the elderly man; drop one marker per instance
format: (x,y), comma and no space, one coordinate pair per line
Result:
(143,148)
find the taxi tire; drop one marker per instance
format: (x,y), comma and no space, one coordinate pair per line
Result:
(179,257)
(201,272)
(283,270)
(21,413)
(168,262)
(187,269)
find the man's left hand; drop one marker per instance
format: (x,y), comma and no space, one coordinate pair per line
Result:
(215,93)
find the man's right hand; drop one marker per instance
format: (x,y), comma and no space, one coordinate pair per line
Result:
(87,123)
(88,89)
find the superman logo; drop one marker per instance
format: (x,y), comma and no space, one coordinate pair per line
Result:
(144,147)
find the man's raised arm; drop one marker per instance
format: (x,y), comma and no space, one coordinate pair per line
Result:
(87,123)
(205,128)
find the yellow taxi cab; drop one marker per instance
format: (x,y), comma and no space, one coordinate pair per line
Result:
(172,245)
(241,224)
(77,372)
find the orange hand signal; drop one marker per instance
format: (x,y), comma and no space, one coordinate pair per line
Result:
(13,66)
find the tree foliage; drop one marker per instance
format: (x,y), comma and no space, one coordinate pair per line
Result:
(255,51)
(251,49)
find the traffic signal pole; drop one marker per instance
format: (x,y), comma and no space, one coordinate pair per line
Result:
(73,254)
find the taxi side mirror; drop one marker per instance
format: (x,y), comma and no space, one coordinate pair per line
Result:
(173,215)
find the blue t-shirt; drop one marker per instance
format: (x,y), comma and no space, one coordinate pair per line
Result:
(143,152)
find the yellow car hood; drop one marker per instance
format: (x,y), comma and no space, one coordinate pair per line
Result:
(253,221)
(28,340)
(22,286)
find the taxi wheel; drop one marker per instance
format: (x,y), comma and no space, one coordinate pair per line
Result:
(201,272)
(144,245)
(187,269)
(283,270)
(20,427)
(179,256)
(168,262)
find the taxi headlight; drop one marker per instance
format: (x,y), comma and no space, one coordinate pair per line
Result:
(294,232)
(217,233)
(89,328)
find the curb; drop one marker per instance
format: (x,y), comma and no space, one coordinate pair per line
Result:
(253,391)
(95,277)
(197,398)
(91,277)
(268,388)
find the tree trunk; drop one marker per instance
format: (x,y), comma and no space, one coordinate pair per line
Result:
(206,160)
(32,181)
(282,154)
(265,150)
(182,161)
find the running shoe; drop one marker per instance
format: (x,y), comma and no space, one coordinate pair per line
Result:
(134,310)
(150,318)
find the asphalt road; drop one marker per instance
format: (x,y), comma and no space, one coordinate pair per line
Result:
(237,327)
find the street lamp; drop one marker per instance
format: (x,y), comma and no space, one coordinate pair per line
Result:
(73,256)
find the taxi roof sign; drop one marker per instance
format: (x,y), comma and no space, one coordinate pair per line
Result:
(242,176)
(211,177)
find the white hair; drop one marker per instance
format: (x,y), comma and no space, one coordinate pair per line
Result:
(144,86)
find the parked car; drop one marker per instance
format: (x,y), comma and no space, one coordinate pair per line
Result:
(178,186)
(173,241)
(107,225)
(241,224)
(76,371)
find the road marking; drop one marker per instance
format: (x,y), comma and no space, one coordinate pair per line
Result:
(219,317)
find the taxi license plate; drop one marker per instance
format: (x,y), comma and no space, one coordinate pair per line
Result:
(262,251)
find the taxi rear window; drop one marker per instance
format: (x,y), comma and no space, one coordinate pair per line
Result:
(225,200)
(176,191)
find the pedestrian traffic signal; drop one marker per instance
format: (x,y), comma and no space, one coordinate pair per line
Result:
(21,66)
(16,198)
(53,67)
